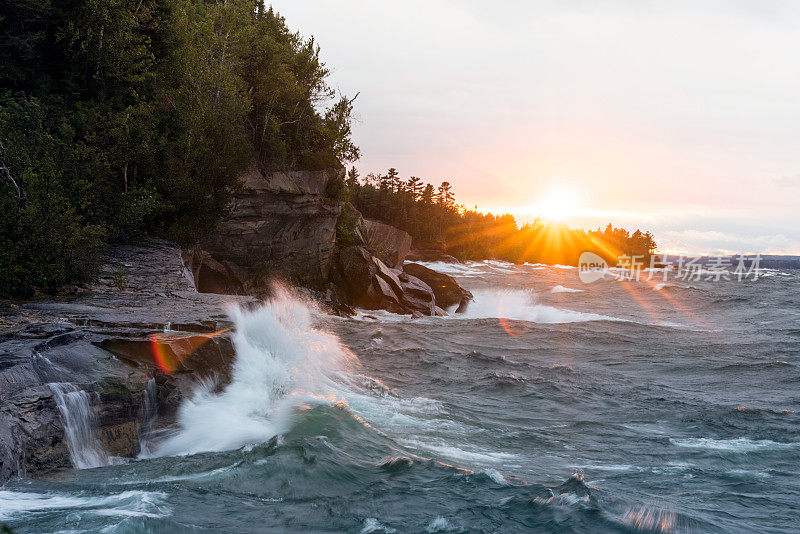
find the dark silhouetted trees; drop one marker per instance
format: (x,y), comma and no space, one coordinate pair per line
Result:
(434,219)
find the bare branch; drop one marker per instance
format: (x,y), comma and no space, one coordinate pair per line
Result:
(5,172)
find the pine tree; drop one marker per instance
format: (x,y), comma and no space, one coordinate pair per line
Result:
(352,178)
(395,181)
(445,197)
(415,187)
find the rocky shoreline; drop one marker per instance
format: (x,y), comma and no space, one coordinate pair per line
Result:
(87,340)
(92,350)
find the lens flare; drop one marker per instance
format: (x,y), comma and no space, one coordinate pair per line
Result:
(170,349)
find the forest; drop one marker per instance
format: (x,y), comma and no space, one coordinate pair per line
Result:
(435,220)
(121,119)
(129,118)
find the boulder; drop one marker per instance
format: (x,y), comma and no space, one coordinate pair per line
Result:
(448,292)
(390,277)
(417,296)
(368,283)
(384,294)
(388,243)
(354,273)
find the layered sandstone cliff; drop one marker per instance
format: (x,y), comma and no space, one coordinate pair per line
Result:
(281,226)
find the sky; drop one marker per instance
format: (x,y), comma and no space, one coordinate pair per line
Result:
(678,117)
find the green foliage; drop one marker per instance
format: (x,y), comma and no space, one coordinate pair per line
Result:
(42,243)
(345,227)
(120,278)
(127,118)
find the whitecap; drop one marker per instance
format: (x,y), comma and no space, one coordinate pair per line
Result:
(127,503)
(457,454)
(372,525)
(562,289)
(733,445)
(496,477)
(440,524)
(519,305)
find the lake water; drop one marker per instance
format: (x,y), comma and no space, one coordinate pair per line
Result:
(550,406)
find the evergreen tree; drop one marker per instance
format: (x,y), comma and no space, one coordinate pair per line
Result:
(445,196)
(121,119)
(415,188)
(352,178)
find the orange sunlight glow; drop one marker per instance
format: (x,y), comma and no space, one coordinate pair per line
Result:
(557,205)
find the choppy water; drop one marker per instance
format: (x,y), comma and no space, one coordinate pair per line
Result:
(550,406)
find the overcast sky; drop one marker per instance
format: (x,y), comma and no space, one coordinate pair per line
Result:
(678,117)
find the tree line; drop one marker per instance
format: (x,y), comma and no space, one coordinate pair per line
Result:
(435,220)
(127,118)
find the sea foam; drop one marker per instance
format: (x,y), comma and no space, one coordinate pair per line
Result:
(517,304)
(282,361)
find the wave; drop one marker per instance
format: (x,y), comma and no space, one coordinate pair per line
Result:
(125,504)
(519,305)
(461,454)
(741,445)
(291,378)
(562,289)
(493,303)
(282,362)
(455,269)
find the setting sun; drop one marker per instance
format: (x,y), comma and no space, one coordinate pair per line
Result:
(557,205)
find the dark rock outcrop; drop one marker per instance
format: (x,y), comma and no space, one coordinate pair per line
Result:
(430,252)
(281,226)
(417,295)
(448,292)
(99,342)
(354,273)
(388,243)
(371,284)
(212,276)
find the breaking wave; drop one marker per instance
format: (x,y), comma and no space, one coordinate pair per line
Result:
(520,305)
(282,362)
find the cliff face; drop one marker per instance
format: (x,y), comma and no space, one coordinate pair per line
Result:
(280,226)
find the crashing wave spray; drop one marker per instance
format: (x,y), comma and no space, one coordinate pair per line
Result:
(282,361)
(80,423)
(520,305)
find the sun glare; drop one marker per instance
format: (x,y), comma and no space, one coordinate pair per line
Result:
(557,205)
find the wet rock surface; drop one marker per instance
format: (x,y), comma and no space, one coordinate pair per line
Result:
(99,341)
(448,292)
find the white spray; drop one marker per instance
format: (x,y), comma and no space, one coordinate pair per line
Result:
(282,361)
